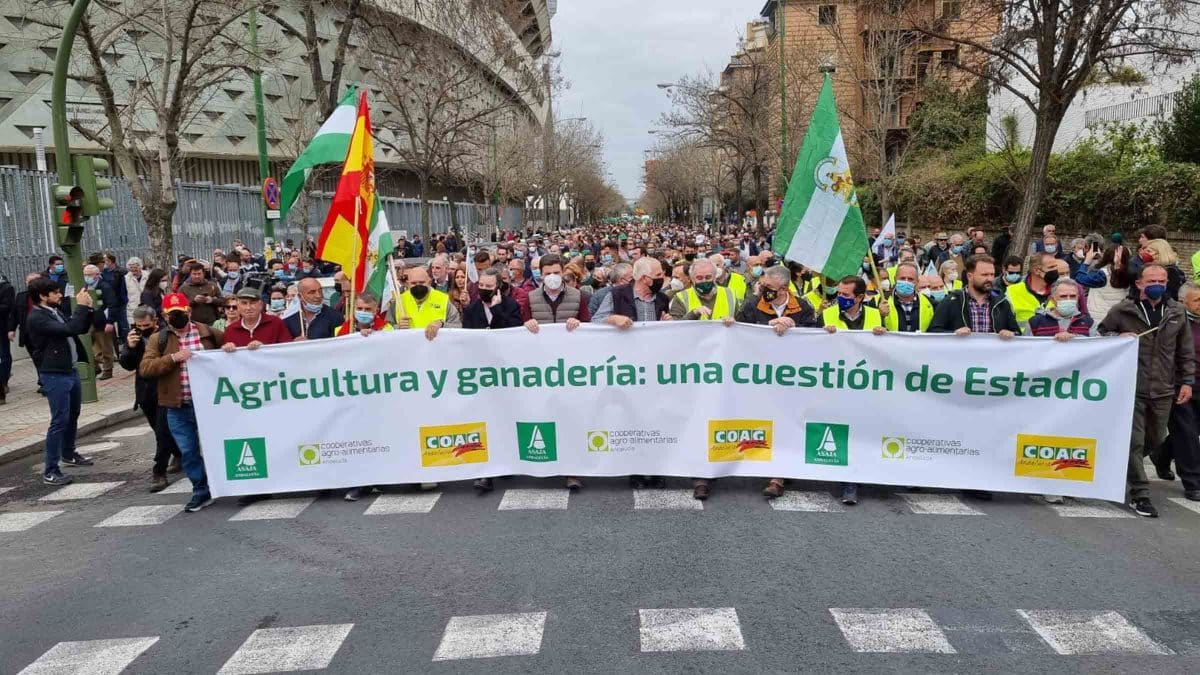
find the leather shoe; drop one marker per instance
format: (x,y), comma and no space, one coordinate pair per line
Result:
(1193,495)
(158,483)
(700,491)
(1165,473)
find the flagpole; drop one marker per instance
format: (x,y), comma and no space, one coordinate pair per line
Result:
(354,258)
(398,311)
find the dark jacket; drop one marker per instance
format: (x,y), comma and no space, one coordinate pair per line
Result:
(19,317)
(8,305)
(144,388)
(107,305)
(624,304)
(759,312)
(1166,357)
(48,338)
(322,326)
(952,314)
(116,280)
(505,315)
(158,363)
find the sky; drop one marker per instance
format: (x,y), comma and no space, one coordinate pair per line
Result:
(615,52)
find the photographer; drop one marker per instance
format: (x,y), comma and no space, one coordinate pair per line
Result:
(145,323)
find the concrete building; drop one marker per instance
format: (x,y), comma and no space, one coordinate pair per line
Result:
(219,142)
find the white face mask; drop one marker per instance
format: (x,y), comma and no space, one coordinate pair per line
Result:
(553,282)
(676,285)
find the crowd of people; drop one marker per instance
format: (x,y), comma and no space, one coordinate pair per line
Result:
(153,321)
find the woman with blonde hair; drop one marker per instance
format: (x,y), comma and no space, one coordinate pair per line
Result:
(1159,252)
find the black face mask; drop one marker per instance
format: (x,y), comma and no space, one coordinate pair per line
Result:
(769,295)
(145,332)
(806,276)
(689,256)
(504,286)
(486,294)
(656,285)
(178,320)
(1051,277)
(590,265)
(419,292)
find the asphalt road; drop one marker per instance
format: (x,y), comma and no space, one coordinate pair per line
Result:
(455,582)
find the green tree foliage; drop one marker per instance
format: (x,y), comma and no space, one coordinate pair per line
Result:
(949,120)
(1179,134)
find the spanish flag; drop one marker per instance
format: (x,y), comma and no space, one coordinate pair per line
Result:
(344,237)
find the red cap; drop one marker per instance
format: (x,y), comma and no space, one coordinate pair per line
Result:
(175,301)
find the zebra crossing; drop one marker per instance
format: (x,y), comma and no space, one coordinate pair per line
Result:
(902,630)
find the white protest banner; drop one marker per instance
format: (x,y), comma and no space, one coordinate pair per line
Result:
(696,399)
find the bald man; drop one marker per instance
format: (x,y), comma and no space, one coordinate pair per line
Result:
(315,320)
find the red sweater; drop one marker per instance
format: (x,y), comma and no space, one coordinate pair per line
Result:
(269,331)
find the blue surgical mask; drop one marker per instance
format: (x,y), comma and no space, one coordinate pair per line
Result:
(756,270)
(845,304)
(1156,291)
(91,281)
(956,249)
(537,275)
(278,274)
(277,303)
(309,307)
(59,268)
(364,317)
(938,295)
(1067,308)
(906,288)
(1051,249)
(1012,277)
(234,275)
(518,254)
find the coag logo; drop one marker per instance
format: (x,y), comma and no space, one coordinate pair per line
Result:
(454,444)
(826,443)
(309,454)
(597,441)
(245,458)
(537,442)
(740,440)
(893,447)
(1061,457)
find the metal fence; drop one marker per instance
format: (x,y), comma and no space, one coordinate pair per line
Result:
(207,217)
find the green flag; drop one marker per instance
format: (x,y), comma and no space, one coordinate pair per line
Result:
(328,146)
(821,226)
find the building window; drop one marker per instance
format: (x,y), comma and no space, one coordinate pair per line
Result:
(949,58)
(826,15)
(952,9)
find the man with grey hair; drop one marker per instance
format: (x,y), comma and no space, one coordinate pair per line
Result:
(622,273)
(705,300)
(439,273)
(135,282)
(104,320)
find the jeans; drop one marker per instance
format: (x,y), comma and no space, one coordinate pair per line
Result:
(182,421)
(65,396)
(164,442)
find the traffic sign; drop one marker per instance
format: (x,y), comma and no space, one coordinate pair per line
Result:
(270,192)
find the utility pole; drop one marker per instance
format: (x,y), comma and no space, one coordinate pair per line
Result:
(264,169)
(69,238)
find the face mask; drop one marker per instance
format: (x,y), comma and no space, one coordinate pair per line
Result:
(689,256)
(537,275)
(705,287)
(756,270)
(1156,291)
(307,269)
(519,254)
(1067,308)
(938,295)
(364,317)
(1051,248)
(770,295)
(831,291)
(278,274)
(553,281)
(178,320)
(234,275)
(1012,277)
(1050,277)
(277,303)
(163,286)
(607,259)
(676,285)
(1147,257)
(589,266)
(1079,254)
(419,292)
(845,304)
(314,308)
(59,268)
(905,288)
(952,277)
(887,241)
(866,267)
(957,249)
(486,294)
(656,285)
(145,332)
(91,281)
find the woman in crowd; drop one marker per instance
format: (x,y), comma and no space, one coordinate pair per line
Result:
(1107,279)
(229,313)
(152,295)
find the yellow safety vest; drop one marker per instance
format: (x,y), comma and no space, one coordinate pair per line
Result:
(722,308)
(832,316)
(1024,303)
(924,314)
(737,284)
(433,309)
(814,299)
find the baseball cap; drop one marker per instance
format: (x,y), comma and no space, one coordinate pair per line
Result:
(175,302)
(249,293)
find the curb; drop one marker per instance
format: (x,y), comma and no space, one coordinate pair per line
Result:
(88,424)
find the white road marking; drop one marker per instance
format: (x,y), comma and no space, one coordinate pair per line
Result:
(1073,632)
(94,448)
(692,629)
(273,509)
(812,502)
(140,515)
(417,503)
(129,432)
(285,650)
(1186,503)
(931,504)
(891,631)
(19,521)
(666,500)
(181,486)
(537,499)
(6,489)
(1080,508)
(80,491)
(486,636)
(90,657)
(1152,472)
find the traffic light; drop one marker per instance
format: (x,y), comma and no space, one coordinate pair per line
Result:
(68,200)
(85,175)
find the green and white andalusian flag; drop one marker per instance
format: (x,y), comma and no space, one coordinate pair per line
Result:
(821,226)
(379,247)
(328,146)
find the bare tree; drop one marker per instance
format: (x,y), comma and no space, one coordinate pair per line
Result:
(1045,52)
(326,85)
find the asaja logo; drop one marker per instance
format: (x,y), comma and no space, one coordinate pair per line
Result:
(454,444)
(893,447)
(597,441)
(1061,457)
(245,458)
(738,440)
(537,441)
(826,443)
(310,454)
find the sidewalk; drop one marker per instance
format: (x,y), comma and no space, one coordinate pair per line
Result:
(24,419)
